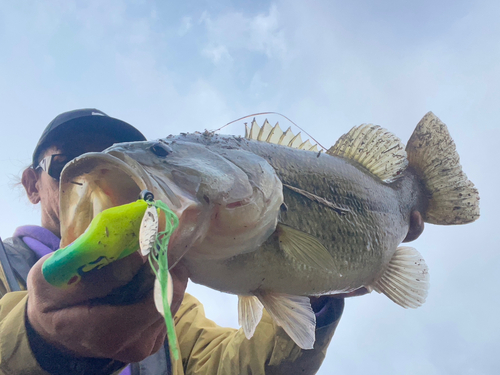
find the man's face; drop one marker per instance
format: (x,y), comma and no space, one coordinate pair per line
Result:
(46,188)
(48,192)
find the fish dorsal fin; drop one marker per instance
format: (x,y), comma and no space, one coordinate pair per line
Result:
(252,132)
(275,135)
(375,148)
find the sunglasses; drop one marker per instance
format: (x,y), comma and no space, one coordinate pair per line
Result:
(54,164)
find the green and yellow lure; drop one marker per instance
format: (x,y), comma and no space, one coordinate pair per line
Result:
(114,234)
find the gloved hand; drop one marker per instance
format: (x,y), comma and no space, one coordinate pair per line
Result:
(88,320)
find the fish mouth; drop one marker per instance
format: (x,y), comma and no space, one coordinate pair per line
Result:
(94,182)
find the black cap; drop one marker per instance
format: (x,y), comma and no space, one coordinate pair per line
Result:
(88,119)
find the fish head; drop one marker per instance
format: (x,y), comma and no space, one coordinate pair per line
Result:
(227,202)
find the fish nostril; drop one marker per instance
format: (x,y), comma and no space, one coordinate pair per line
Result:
(160,150)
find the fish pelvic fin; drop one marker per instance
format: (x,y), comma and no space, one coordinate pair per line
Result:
(270,134)
(453,199)
(249,314)
(294,314)
(406,278)
(375,148)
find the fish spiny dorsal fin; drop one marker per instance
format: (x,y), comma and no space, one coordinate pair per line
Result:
(264,131)
(432,153)
(275,135)
(296,141)
(375,148)
(253,131)
(286,137)
(305,145)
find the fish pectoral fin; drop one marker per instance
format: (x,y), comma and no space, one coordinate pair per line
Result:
(249,314)
(304,248)
(294,314)
(406,279)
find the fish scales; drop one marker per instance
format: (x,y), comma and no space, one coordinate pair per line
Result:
(360,240)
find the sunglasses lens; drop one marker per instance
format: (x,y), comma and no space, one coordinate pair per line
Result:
(56,165)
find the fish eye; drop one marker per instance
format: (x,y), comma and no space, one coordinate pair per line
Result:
(160,150)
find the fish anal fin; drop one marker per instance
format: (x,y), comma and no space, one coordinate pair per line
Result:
(432,153)
(406,278)
(294,314)
(304,248)
(375,148)
(249,314)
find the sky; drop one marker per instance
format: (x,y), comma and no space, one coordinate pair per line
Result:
(170,67)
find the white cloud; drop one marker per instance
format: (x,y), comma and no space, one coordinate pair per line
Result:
(217,54)
(235,32)
(186,25)
(266,34)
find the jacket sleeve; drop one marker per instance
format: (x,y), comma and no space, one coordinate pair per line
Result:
(16,356)
(209,349)
(22,349)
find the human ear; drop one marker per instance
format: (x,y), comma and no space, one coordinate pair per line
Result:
(29,181)
(416,227)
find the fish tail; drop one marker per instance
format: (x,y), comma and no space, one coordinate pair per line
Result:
(453,199)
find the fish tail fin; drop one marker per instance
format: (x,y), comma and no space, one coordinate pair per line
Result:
(453,199)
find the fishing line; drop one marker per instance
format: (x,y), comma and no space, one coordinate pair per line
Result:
(271,113)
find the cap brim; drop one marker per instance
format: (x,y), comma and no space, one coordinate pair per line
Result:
(105,125)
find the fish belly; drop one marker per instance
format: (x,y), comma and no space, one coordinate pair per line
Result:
(270,269)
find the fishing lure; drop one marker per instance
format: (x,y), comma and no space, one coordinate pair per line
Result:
(114,234)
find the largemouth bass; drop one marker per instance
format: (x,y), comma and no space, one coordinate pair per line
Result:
(271,219)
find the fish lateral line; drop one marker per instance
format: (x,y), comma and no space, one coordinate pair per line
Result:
(340,210)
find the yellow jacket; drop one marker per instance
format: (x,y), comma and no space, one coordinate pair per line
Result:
(205,347)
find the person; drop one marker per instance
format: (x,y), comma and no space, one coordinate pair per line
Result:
(107,323)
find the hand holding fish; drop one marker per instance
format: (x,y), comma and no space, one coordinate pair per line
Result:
(89,319)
